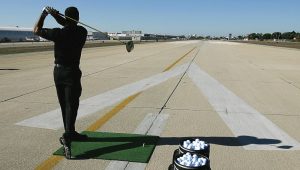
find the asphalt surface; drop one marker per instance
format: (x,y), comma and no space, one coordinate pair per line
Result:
(176,86)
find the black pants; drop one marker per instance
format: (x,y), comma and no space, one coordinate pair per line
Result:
(68,87)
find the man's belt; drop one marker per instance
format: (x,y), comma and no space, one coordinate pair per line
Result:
(65,66)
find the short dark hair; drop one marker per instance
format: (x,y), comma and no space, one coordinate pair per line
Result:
(72,12)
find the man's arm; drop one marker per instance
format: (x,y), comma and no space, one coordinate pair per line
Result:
(40,23)
(59,19)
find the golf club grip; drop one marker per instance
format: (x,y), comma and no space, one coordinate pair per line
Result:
(87,26)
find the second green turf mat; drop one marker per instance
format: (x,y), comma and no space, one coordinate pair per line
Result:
(114,146)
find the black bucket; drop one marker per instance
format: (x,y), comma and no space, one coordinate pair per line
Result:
(176,166)
(204,152)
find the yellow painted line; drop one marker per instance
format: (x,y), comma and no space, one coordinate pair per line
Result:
(49,163)
(54,160)
(173,64)
(100,122)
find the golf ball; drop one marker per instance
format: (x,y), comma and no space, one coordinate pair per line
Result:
(191,160)
(197,144)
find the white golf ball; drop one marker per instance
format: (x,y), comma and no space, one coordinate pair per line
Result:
(191,160)
(197,144)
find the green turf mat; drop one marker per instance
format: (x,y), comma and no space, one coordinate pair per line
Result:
(113,146)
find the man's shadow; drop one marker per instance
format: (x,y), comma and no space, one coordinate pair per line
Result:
(226,141)
(9,69)
(125,143)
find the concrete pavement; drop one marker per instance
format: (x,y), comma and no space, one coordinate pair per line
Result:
(267,79)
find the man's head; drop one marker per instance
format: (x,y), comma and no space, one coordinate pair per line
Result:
(72,12)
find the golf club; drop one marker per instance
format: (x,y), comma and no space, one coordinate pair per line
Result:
(129,44)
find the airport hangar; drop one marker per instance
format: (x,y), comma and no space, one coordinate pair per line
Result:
(18,34)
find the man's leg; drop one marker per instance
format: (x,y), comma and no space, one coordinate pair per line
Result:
(76,90)
(60,89)
(70,109)
(61,94)
(72,103)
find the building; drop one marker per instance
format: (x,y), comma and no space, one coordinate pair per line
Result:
(135,35)
(17,34)
(230,37)
(133,32)
(127,35)
(100,36)
(119,36)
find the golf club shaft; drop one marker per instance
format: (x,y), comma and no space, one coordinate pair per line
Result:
(89,26)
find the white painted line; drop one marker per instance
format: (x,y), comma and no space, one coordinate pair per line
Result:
(116,165)
(53,120)
(242,119)
(158,125)
(158,122)
(156,129)
(145,124)
(136,166)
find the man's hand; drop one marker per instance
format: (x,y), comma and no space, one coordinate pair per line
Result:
(45,12)
(55,13)
(48,10)
(39,24)
(52,11)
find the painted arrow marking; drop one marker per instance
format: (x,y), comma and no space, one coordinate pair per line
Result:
(254,131)
(52,120)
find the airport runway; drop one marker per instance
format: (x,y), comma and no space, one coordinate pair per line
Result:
(243,99)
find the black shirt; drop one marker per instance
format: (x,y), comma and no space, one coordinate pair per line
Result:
(68,43)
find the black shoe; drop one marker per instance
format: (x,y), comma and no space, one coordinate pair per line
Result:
(67,147)
(61,140)
(75,136)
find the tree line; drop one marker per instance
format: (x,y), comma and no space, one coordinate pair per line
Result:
(275,35)
(254,36)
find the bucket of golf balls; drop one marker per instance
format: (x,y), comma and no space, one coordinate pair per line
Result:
(188,161)
(194,146)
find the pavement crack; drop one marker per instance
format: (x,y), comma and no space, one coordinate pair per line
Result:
(5,100)
(84,76)
(289,82)
(280,114)
(173,91)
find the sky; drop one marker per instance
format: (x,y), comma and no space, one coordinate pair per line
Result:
(174,17)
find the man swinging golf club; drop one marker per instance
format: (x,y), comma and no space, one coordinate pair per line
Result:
(68,43)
